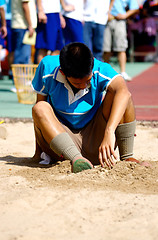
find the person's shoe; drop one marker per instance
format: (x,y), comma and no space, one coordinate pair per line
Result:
(143,163)
(1,76)
(131,159)
(126,76)
(13,89)
(80,164)
(10,75)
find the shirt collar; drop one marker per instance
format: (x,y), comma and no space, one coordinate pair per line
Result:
(72,98)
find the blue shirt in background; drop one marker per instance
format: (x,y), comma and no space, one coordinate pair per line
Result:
(119,6)
(2,2)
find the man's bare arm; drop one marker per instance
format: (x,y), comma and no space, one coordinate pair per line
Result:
(3,28)
(28,17)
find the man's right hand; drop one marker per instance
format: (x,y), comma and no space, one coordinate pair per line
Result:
(107,154)
(42,17)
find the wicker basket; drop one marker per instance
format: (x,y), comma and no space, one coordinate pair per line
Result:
(23,75)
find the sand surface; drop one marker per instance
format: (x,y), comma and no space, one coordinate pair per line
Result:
(51,203)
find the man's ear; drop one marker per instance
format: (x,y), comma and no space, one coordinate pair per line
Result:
(61,72)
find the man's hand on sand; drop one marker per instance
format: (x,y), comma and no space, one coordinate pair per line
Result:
(107,154)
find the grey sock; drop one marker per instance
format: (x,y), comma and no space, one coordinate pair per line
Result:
(125,139)
(63,145)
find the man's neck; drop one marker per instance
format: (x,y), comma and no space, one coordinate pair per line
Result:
(75,90)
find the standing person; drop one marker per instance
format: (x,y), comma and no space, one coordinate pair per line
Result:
(3,30)
(9,37)
(71,117)
(49,31)
(115,33)
(73,31)
(23,18)
(95,19)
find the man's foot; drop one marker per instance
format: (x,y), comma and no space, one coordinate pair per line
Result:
(126,76)
(145,164)
(80,164)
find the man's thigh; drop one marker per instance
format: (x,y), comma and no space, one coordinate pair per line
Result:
(86,140)
(107,43)
(90,137)
(120,42)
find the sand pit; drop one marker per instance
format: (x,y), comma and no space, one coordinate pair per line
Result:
(49,202)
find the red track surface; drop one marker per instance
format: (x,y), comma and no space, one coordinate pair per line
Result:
(144,89)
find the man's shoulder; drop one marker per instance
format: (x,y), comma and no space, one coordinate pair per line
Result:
(51,59)
(2,2)
(103,69)
(48,63)
(100,66)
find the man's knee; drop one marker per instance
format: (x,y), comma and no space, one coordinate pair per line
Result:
(39,109)
(107,104)
(129,115)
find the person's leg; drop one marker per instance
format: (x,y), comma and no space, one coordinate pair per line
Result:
(10,59)
(88,34)
(42,146)
(107,42)
(73,32)
(98,39)
(54,38)
(93,133)
(41,54)
(106,56)
(120,43)
(122,61)
(0,63)
(50,132)
(56,52)
(120,46)
(9,46)
(26,53)
(126,129)
(22,52)
(47,40)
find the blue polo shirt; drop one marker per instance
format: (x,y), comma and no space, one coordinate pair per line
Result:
(119,6)
(2,2)
(75,111)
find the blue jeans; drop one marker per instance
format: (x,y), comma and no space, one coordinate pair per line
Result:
(22,52)
(93,34)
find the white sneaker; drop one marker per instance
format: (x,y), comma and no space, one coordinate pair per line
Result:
(13,89)
(126,76)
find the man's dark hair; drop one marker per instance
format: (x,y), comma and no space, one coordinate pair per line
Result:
(76,60)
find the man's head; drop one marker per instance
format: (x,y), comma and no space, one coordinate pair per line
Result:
(76,60)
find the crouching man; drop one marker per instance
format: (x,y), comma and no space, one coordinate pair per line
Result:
(83,110)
